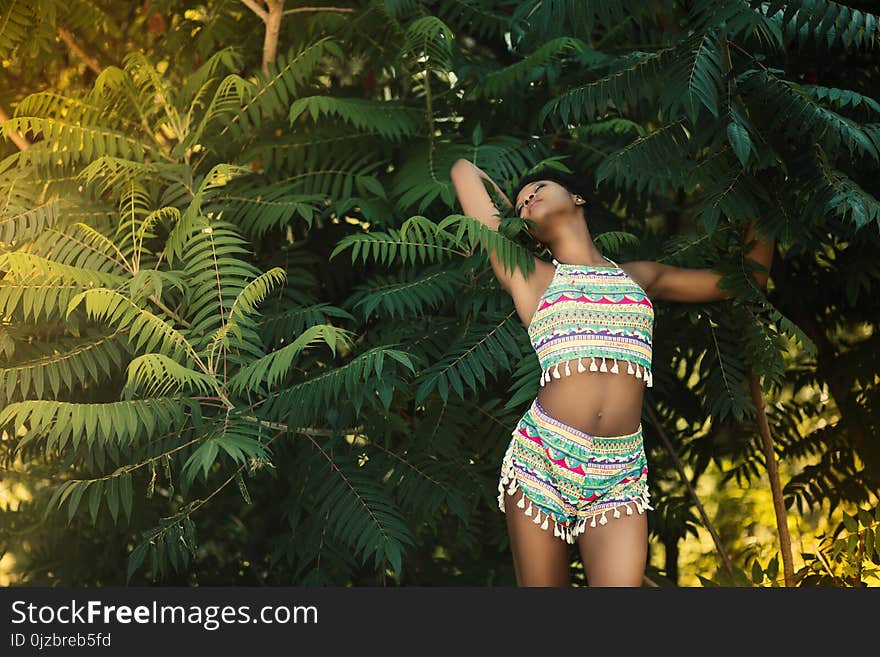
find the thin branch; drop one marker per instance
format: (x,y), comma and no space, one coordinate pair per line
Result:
(17,139)
(728,565)
(300,9)
(775,485)
(259,11)
(89,61)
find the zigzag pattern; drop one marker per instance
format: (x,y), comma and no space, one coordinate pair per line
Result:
(572,476)
(593,312)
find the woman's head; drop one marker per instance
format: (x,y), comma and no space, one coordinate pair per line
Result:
(562,198)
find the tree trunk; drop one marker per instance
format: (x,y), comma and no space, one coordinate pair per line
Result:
(775,485)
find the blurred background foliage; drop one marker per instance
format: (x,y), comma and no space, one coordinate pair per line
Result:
(248,338)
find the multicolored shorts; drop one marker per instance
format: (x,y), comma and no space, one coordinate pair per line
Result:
(572,476)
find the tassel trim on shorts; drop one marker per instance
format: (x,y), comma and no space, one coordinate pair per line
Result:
(566,531)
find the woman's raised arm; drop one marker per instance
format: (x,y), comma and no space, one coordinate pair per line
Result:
(467,178)
(671,283)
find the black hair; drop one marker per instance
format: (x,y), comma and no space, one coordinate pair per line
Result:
(573,183)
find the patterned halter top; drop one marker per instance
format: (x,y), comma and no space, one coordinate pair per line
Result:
(595,313)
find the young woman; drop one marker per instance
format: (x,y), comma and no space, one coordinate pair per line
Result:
(576,461)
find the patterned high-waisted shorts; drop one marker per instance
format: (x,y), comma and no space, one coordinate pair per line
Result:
(572,476)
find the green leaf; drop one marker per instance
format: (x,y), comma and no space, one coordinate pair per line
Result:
(125,491)
(113,496)
(95,499)
(757,572)
(75,498)
(477,135)
(135,559)
(739,139)
(773,567)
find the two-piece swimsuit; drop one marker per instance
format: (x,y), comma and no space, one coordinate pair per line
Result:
(586,313)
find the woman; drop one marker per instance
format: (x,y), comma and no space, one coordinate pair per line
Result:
(576,462)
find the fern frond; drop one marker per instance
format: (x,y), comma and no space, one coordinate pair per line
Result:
(146,330)
(361,513)
(72,142)
(281,321)
(35,300)
(839,194)
(85,363)
(655,162)
(724,372)
(192,219)
(158,375)
(414,295)
(18,19)
(216,270)
(392,121)
(246,302)
(123,423)
(419,237)
(794,111)
(116,489)
(473,232)
(427,43)
(484,349)
(239,439)
(841,98)
(155,94)
(694,77)
(21,223)
(151,283)
(725,189)
(620,89)
(25,266)
(264,208)
(274,366)
(823,20)
(611,241)
(739,20)
(104,244)
(76,251)
(270,97)
(356,381)
(530,68)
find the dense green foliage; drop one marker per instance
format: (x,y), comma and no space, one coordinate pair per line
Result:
(217,276)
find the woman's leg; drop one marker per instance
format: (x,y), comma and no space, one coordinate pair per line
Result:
(539,557)
(615,554)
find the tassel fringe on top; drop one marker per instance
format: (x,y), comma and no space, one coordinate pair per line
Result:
(639,372)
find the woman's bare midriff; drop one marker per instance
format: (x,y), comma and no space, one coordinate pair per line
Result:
(597,403)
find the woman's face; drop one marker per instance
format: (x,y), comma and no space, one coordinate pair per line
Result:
(540,199)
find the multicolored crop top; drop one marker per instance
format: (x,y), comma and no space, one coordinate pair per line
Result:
(593,313)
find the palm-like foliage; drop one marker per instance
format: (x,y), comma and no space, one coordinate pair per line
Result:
(225,276)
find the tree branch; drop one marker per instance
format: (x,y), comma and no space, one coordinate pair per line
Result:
(775,485)
(259,11)
(725,558)
(17,139)
(90,61)
(300,9)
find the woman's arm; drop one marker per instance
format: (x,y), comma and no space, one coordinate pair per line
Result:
(671,283)
(467,164)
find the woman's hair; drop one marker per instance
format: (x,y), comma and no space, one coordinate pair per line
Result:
(572,183)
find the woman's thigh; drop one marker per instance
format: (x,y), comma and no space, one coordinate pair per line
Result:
(539,557)
(615,554)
